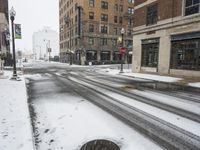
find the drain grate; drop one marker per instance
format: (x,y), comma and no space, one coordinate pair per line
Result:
(100,145)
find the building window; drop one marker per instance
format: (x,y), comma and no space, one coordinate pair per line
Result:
(91,15)
(104,17)
(116,7)
(192,7)
(185,54)
(115,19)
(114,42)
(91,41)
(104,29)
(116,56)
(129,32)
(104,5)
(103,41)
(91,28)
(131,10)
(115,31)
(121,8)
(152,14)
(91,3)
(120,20)
(130,22)
(150,50)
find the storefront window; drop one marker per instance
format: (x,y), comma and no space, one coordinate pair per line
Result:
(105,55)
(91,55)
(150,53)
(186,55)
(116,56)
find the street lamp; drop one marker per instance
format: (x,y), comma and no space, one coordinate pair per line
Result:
(68,21)
(122,54)
(48,47)
(12,18)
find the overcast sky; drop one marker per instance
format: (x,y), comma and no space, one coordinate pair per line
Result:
(33,15)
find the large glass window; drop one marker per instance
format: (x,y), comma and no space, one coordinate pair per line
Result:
(192,7)
(91,55)
(150,53)
(105,55)
(185,54)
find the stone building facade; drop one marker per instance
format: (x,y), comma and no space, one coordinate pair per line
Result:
(95,27)
(4,31)
(166,37)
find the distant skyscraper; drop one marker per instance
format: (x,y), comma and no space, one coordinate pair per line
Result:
(44,39)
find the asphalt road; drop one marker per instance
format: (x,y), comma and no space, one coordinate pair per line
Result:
(93,86)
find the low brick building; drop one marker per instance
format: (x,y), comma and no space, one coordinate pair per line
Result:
(166,37)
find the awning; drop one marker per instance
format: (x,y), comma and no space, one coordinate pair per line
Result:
(185,36)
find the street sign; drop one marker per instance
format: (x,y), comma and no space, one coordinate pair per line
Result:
(49,50)
(122,50)
(18,33)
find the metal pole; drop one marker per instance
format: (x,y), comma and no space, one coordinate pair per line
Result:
(121,71)
(49,50)
(70,54)
(13,45)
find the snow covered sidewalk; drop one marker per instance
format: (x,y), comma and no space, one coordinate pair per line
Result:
(145,76)
(15,127)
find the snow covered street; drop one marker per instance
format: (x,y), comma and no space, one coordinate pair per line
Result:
(70,106)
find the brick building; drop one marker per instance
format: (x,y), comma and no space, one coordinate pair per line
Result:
(166,37)
(4,30)
(95,27)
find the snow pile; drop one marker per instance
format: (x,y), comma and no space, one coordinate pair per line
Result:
(14,116)
(196,84)
(129,73)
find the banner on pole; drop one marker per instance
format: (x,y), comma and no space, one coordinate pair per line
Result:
(18,33)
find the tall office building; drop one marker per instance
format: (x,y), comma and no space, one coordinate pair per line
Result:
(90,29)
(44,39)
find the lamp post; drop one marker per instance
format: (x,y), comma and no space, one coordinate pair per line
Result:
(122,54)
(48,47)
(68,21)
(12,18)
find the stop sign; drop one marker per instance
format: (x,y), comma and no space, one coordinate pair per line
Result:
(122,50)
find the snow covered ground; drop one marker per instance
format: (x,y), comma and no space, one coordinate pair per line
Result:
(15,128)
(196,84)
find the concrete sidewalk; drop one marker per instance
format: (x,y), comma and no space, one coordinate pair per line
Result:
(15,126)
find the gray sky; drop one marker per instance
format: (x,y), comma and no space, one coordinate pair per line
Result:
(34,15)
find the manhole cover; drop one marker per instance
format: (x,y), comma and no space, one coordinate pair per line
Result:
(100,145)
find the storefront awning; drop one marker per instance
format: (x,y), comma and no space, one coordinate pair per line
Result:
(185,36)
